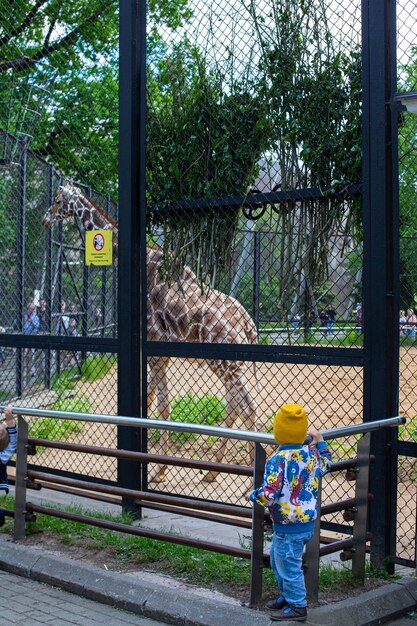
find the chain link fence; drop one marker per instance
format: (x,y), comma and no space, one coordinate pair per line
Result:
(407,81)
(58,124)
(254,205)
(254,220)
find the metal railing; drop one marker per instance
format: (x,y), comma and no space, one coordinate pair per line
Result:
(355,508)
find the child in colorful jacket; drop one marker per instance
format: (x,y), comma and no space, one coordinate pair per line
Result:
(290,492)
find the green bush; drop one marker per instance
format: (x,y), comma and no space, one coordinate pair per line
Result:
(206,409)
(65,381)
(50,428)
(95,367)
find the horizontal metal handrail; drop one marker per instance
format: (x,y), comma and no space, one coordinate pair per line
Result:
(201,429)
(241,470)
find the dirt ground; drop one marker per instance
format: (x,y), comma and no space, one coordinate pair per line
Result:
(333,396)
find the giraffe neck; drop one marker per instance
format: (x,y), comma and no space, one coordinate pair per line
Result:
(93,217)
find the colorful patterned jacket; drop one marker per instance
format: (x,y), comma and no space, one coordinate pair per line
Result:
(290,486)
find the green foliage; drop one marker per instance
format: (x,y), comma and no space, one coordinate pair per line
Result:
(51,428)
(407,146)
(213,135)
(72,405)
(344,448)
(65,381)
(56,429)
(353,338)
(72,49)
(408,431)
(269,292)
(95,367)
(206,409)
(4,395)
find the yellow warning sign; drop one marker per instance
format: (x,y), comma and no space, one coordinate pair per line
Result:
(99,247)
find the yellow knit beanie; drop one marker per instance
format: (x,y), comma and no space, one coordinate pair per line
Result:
(290,424)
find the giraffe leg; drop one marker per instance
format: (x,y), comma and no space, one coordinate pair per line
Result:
(239,402)
(224,443)
(158,383)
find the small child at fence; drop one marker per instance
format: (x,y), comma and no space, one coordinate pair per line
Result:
(290,492)
(8,443)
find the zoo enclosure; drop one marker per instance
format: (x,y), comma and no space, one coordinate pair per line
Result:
(321,370)
(356,508)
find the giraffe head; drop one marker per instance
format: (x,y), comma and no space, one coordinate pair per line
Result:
(69,201)
(63,205)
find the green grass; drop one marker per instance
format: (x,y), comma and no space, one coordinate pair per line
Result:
(195,566)
(315,337)
(335,578)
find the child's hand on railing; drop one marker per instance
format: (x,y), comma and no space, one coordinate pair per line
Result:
(8,416)
(315,434)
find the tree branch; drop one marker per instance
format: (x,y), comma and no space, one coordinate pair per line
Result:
(25,62)
(19,29)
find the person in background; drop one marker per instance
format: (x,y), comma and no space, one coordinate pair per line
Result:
(30,320)
(73,317)
(73,328)
(359,317)
(63,320)
(403,321)
(43,322)
(31,326)
(323,318)
(331,317)
(411,324)
(295,321)
(98,316)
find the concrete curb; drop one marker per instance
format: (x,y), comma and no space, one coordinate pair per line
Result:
(173,606)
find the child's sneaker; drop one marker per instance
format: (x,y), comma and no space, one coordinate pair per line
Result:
(291,614)
(276,605)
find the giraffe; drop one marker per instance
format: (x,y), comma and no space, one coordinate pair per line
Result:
(177,311)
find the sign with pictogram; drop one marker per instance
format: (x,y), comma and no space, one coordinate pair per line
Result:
(99,247)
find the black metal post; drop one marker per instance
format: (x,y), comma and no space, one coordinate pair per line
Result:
(21,478)
(256,276)
(257,561)
(104,285)
(85,297)
(132,101)
(361,514)
(311,560)
(48,280)
(60,264)
(380,279)
(21,258)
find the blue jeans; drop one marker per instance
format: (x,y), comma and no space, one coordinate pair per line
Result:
(286,562)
